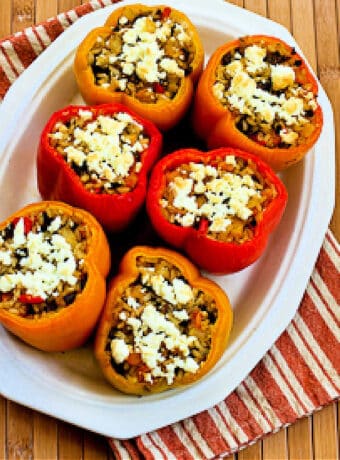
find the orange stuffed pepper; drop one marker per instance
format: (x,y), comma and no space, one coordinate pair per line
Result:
(146,57)
(258,94)
(54,261)
(163,324)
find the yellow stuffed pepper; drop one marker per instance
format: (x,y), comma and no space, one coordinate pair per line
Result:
(163,325)
(54,261)
(145,57)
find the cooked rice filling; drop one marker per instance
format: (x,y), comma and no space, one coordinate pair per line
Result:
(104,151)
(259,84)
(41,263)
(162,328)
(228,196)
(145,57)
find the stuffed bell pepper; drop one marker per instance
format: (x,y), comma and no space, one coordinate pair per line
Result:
(53,263)
(146,57)
(258,94)
(219,206)
(163,324)
(98,158)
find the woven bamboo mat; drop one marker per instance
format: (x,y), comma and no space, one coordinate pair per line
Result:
(26,434)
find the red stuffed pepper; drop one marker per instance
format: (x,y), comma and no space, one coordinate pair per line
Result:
(98,158)
(219,207)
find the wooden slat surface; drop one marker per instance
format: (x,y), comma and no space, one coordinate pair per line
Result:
(26,434)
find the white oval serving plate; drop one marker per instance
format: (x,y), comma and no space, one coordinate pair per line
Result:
(265,296)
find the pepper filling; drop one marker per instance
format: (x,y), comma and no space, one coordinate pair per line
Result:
(226,197)
(162,328)
(41,263)
(145,56)
(261,85)
(105,150)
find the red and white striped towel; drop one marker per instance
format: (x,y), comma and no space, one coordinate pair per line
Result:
(297,376)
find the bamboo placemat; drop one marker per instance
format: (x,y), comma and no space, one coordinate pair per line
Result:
(199,443)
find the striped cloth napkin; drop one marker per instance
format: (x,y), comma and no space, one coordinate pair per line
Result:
(297,376)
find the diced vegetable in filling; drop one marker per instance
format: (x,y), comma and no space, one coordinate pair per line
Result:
(41,263)
(145,57)
(260,85)
(105,151)
(162,328)
(227,197)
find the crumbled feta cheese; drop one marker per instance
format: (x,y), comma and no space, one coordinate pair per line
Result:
(54,225)
(176,292)
(119,350)
(19,234)
(293,106)
(282,76)
(151,332)
(187,220)
(183,291)
(182,315)
(233,68)
(122,84)
(182,188)
(123,20)
(243,85)
(122,316)
(289,137)
(218,90)
(230,160)
(128,68)
(138,167)
(254,55)
(171,66)
(226,195)
(142,53)
(85,114)
(49,260)
(75,155)
(242,95)
(5,257)
(132,302)
(101,144)
(219,224)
